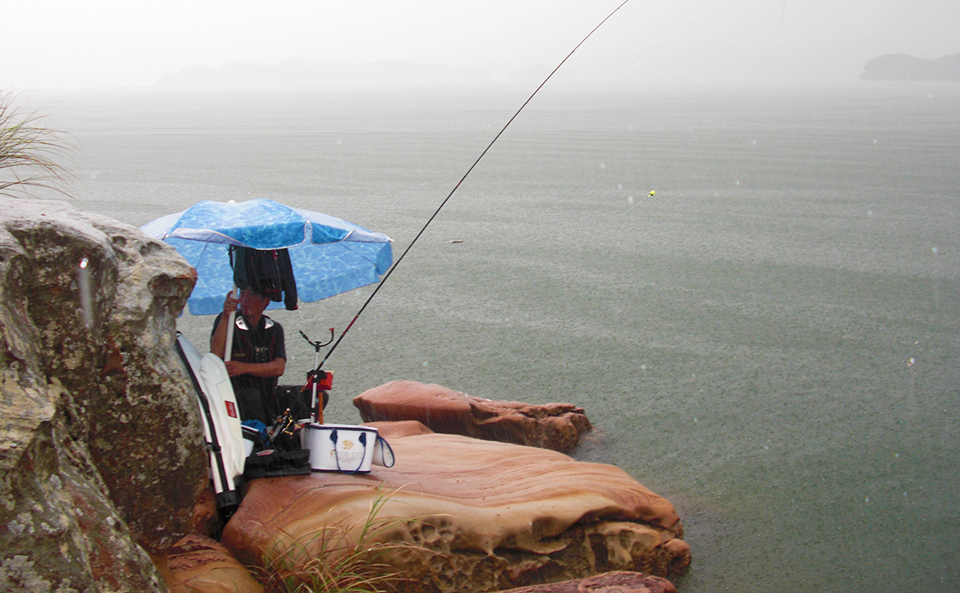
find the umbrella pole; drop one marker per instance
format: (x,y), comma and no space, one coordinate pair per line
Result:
(231,321)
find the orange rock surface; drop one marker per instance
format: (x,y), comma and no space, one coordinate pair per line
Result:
(611,582)
(556,426)
(199,564)
(489,515)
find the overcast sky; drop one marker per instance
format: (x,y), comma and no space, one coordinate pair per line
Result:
(65,43)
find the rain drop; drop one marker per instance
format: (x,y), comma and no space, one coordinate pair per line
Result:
(425,364)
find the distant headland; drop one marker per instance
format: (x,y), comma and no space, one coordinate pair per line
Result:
(905,67)
(298,71)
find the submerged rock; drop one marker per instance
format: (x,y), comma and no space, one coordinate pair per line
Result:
(554,426)
(99,452)
(477,516)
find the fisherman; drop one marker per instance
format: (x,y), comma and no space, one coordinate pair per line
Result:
(258,356)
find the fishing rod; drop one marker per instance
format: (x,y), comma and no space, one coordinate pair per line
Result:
(465,175)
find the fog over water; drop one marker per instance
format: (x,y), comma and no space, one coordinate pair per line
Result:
(57,43)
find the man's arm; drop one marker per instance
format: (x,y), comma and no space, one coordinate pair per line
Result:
(274,368)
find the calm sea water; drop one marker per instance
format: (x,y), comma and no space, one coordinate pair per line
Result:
(771,341)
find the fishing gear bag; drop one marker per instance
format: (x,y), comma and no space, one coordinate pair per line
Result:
(274,451)
(273,463)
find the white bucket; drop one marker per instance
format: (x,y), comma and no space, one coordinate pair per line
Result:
(339,447)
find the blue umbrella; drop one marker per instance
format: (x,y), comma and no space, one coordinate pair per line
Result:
(329,255)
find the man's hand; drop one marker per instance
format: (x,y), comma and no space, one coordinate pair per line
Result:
(235,368)
(230,303)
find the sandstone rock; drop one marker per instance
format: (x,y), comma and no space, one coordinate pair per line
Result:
(611,582)
(198,564)
(99,461)
(482,516)
(554,426)
(401,428)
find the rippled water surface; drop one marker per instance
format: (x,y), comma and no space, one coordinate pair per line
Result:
(771,340)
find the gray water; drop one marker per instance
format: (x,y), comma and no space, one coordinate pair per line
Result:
(770,341)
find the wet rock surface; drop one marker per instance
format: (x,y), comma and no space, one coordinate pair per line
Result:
(479,515)
(556,426)
(199,564)
(98,441)
(612,582)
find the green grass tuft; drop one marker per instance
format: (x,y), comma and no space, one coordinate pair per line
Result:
(30,153)
(328,562)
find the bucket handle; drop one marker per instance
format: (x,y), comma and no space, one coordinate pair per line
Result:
(386,458)
(363,441)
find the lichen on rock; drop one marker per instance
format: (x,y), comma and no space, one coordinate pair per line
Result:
(86,492)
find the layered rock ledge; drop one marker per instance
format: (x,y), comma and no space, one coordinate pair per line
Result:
(556,426)
(481,516)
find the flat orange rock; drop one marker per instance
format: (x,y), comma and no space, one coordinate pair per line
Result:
(491,515)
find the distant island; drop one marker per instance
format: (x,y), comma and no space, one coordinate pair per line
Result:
(296,70)
(905,67)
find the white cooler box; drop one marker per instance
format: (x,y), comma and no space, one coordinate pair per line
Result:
(345,448)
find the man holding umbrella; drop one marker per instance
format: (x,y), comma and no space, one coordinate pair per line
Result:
(327,256)
(258,356)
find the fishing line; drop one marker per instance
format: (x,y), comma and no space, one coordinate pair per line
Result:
(465,175)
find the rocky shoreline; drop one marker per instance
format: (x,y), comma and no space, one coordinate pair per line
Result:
(105,483)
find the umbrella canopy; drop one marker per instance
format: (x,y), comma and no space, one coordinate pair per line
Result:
(329,255)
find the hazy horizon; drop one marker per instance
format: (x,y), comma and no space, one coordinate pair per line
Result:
(58,44)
